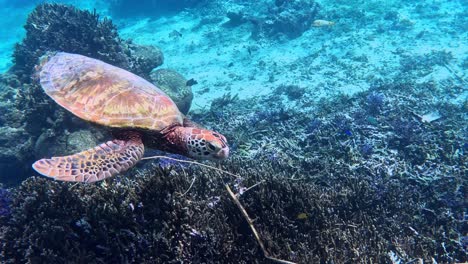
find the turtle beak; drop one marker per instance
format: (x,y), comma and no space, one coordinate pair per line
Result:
(223,153)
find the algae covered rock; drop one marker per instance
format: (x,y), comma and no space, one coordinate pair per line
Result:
(144,58)
(174,85)
(49,143)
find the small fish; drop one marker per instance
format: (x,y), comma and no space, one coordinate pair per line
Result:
(322,23)
(302,216)
(191,82)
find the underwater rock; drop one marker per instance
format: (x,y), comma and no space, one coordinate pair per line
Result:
(48,143)
(143,59)
(55,27)
(293,92)
(175,86)
(235,19)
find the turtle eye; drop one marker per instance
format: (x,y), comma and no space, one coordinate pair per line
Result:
(211,146)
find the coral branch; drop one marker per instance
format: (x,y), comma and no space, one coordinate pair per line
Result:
(252,227)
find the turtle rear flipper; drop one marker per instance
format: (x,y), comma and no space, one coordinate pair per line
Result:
(96,164)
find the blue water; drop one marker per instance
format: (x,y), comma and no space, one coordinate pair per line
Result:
(341,126)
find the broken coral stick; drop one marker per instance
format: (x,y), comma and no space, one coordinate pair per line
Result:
(254,231)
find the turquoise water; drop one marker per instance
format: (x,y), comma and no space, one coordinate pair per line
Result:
(341,127)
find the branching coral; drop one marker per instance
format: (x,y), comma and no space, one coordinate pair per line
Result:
(55,27)
(375,102)
(152,218)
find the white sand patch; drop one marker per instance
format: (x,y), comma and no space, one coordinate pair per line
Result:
(325,60)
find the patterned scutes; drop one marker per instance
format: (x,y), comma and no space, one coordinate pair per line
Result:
(106,95)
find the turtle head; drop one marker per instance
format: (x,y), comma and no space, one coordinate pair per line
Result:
(203,144)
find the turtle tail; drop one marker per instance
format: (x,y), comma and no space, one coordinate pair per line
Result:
(96,164)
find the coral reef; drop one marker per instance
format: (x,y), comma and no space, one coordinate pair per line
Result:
(363,178)
(374,133)
(55,27)
(146,218)
(174,85)
(15,141)
(321,194)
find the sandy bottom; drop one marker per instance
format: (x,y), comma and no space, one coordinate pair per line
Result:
(362,47)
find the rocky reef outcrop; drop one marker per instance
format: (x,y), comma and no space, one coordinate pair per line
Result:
(175,86)
(278,19)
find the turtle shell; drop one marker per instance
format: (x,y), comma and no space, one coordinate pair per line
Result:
(104,94)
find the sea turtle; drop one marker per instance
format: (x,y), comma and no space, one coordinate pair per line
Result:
(138,113)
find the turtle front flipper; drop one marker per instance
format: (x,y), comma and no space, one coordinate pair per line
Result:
(96,164)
